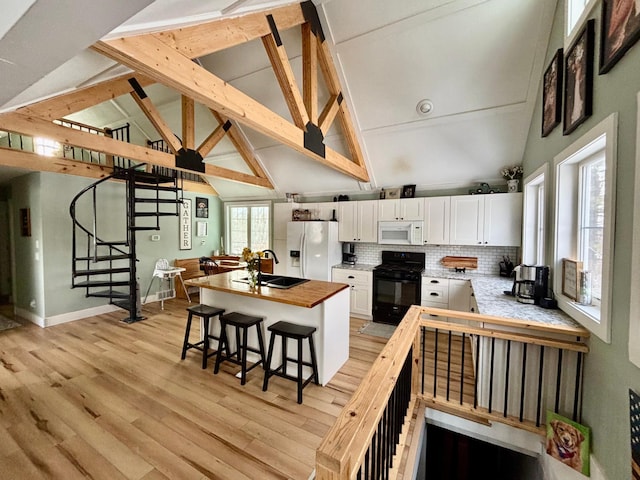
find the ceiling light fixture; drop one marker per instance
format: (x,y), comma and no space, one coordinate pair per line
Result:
(424,107)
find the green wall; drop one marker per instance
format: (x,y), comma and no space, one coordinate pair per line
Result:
(608,372)
(49,280)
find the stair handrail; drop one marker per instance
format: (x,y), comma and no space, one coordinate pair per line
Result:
(72,213)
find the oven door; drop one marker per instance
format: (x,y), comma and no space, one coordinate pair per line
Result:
(392,297)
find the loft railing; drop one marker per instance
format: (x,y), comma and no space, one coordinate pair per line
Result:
(486,368)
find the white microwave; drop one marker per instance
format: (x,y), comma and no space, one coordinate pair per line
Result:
(400,233)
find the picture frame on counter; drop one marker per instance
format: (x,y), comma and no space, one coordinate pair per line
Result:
(570,278)
(408,191)
(392,193)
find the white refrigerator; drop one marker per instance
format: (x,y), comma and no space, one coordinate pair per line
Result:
(312,249)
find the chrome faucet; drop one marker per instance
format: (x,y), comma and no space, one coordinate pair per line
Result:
(275,259)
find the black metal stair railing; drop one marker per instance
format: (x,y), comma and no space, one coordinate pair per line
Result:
(112,263)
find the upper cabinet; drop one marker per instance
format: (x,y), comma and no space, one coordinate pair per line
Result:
(408,209)
(493,219)
(437,213)
(282,215)
(358,221)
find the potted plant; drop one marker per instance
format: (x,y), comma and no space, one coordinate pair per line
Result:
(512,174)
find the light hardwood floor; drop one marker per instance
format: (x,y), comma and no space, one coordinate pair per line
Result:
(101,399)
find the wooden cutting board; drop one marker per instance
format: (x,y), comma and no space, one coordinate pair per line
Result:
(460,262)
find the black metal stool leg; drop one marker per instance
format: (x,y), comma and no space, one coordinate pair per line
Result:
(243,367)
(185,344)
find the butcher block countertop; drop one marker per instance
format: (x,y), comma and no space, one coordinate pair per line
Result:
(308,294)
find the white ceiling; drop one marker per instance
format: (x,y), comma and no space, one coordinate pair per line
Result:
(478,61)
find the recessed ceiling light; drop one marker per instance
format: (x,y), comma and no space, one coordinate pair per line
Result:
(424,107)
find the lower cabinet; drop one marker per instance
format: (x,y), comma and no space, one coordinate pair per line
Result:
(361,285)
(451,294)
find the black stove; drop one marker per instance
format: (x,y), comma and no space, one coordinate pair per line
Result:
(397,285)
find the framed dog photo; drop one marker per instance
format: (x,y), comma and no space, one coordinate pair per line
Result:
(202,207)
(568,442)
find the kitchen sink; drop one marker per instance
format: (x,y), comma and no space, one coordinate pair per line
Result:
(276,281)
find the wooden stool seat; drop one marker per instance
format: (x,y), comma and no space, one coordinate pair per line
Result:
(205,312)
(299,333)
(240,322)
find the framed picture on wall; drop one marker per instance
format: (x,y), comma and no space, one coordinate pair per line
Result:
(620,30)
(552,94)
(202,207)
(578,85)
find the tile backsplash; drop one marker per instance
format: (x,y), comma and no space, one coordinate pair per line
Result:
(488,257)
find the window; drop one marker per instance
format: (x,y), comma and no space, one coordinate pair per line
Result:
(584,221)
(44,146)
(576,11)
(533,235)
(247,225)
(591,225)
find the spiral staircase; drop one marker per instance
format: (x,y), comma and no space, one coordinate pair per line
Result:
(107,267)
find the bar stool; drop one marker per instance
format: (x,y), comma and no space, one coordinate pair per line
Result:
(205,312)
(288,330)
(241,322)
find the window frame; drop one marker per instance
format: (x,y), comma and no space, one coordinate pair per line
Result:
(570,31)
(534,218)
(566,164)
(227,225)
(634,298)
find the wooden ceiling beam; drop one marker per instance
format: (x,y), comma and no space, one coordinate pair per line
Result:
(10,157)
(69,103)
(310,72)
(37,127)
(284,73)
(188,123)
(159,61)
(209,37)
(154,116)
(329,113)
(212,140)
(242,145)
(333,84)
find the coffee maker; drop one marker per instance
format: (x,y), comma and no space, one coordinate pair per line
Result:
(348,255)
(531,283)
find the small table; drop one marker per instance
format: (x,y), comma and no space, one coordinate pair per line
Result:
(167,274)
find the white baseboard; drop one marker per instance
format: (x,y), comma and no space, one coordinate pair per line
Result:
(78,315)
(32,317)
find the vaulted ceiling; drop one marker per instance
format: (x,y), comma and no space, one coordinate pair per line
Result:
(337,118)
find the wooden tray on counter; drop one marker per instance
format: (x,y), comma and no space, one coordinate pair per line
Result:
(459,262)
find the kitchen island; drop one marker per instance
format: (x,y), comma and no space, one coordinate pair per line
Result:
(324,305)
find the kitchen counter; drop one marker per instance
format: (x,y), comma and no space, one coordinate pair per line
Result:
(323,305)
(364,267)
(489,293)
(308,294)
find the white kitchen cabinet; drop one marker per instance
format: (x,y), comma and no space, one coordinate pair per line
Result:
(435,293)
(460,298)
(407,209)
(282,215)
(324,210)
(358,221)
(437,214)
(361,288)
(492,219)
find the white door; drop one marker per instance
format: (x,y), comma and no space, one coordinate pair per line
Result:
(347,216)
(411,209)
(388,210)
(367,221)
